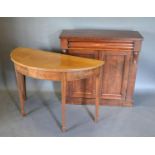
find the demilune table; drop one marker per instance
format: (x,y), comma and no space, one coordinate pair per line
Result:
(54,66)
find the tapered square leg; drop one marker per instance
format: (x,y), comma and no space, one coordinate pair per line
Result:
(63,100)
(24,87)
(97,97)
(21,90)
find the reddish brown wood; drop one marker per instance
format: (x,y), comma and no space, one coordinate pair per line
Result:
(52,66)
(82,88)
(133,70)
(97,85)
(119,50)
(24,84)
(99,45)
(86,34)
(63,100)
(115,74)
(21,90)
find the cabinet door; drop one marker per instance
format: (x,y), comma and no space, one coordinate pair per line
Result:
(115,74)
(85,87)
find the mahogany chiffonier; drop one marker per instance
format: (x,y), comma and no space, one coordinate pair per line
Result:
(119,50)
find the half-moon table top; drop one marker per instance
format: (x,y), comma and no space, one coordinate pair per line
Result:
(52,61)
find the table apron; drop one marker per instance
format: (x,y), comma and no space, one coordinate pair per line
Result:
(56,76)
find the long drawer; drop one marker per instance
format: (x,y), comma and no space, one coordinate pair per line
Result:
(100,45)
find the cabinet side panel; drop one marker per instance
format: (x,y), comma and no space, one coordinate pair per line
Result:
(133,71)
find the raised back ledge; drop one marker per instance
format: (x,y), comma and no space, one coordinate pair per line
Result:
(101,34)
(51,61)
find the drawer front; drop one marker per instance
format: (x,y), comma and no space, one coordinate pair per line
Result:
(100,45)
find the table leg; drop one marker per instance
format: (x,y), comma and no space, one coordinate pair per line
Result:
(63,94)
(97,97)
(24,87)
(21,90)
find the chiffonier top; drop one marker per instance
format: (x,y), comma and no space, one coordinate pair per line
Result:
(101,34)
(51,61)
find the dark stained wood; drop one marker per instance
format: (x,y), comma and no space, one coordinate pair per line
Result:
(115,74)
(24,85)
(100,45)
(82,88)
(53,66)
(21,90)
(100,35)
(120,51)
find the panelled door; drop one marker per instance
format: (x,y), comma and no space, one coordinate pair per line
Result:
(115,74)
(86,87)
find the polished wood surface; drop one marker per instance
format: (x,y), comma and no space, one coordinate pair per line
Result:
(90,34)
(54,66)
(51,61)
(119,50)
